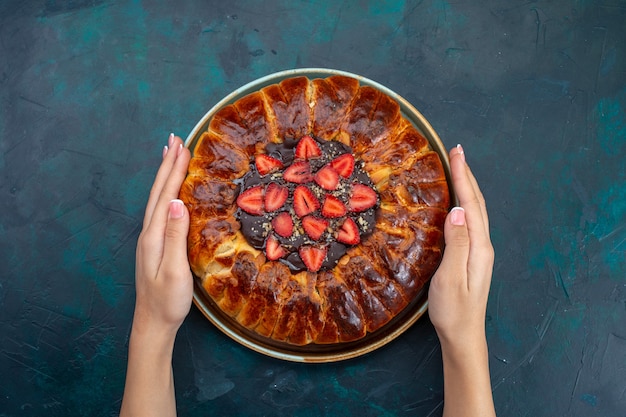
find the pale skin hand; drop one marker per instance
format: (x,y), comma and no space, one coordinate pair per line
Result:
(164,289)
(458,298)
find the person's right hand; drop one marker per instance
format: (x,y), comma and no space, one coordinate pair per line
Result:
(458,293)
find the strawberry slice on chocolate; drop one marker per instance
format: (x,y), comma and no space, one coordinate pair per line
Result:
(273,248)
(312,256)
(299,172)
(327,178)
(349,233)
(304,201)
(275,196)
(251,200)
(283,224)
(266,164)
(333,207)
(343,165)
(307,148)
(362,198)
(314,226)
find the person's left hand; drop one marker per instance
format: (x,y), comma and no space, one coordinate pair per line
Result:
(163,278)
(164,288)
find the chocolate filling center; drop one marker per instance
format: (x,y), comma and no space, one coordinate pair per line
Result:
(258,228)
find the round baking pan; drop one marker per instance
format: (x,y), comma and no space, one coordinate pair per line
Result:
(314,352)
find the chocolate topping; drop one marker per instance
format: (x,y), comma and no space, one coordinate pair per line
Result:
(256,229)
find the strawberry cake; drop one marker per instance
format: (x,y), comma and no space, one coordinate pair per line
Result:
(317,211)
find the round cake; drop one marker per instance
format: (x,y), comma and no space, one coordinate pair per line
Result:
(317,210)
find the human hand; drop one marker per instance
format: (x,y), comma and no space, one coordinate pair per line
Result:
(459,289)
(163,279)
(164,288)
(458,295)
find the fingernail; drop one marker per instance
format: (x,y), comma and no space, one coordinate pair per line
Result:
(460,150)
(457,216)
(165,149)
(177,209)
(170,141)
(180,149)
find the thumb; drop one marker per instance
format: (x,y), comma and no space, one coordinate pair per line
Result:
(176,230)
(457,238)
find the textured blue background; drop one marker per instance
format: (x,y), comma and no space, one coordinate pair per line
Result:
(535,91)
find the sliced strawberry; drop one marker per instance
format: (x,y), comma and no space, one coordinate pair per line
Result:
(314,226)
(299,172)
(349,233)
(307,148)
(333,207)
(304,201)
(313,257)
(283,225)
(266,164)
(343,164)
(327,178)
(362,198)
(275,196)
(273,249)
(251,200)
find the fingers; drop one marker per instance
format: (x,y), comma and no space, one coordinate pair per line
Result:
(175,245)
(172,185)
(479,195)
(470,197)
(167,184)
(481,255)
(161,177)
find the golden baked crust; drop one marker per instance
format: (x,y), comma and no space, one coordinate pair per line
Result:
(374,280)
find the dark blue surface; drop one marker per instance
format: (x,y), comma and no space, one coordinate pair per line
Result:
(535,91)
